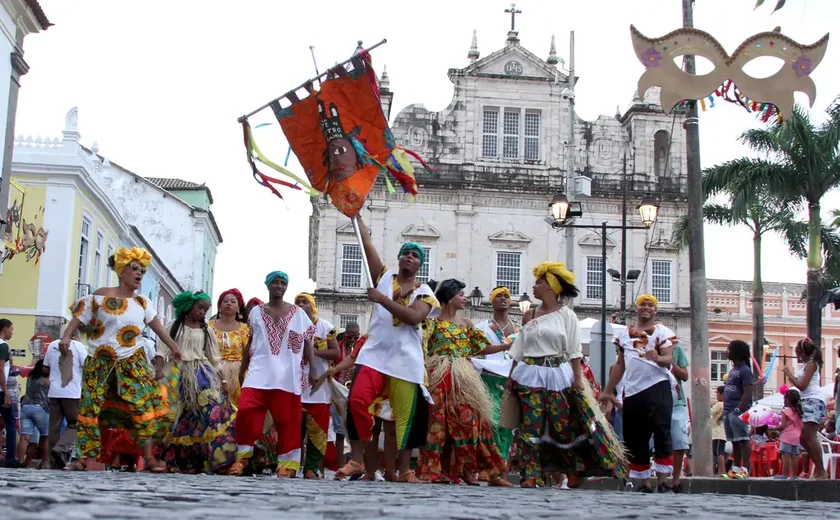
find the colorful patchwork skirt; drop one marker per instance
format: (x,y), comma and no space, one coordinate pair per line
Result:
(202,438)
(562,428)
(456,421)
(503,437)
(119,394)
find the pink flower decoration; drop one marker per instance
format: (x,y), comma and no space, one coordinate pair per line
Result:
(803,66)
(651,57)
(784,389)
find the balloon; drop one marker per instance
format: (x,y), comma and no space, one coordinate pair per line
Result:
(760,415)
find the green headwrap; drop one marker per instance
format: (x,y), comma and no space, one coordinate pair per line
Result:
(413,246)
(184,302)
(275,274)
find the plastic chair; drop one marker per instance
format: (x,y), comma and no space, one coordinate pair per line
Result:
(830,455)
(765,460)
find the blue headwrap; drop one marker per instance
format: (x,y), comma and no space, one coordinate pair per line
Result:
(413,246)
(275,274)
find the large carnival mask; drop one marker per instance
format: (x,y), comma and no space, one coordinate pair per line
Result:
(657,55)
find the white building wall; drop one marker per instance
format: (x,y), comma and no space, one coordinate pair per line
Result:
(7,47)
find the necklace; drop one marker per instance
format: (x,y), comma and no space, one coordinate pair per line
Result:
(508,324)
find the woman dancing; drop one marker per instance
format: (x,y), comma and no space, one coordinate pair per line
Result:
(232,335)
(562,426)
(462,411)
(119,390)
(202,438)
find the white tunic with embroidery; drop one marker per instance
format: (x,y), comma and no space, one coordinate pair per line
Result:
(499,363)
(324,331)
(277,350)
(396,351)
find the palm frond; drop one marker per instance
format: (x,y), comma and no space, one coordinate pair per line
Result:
(836,222)
(760,140)
(681,235)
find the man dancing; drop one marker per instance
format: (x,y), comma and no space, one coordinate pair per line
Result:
(392,361)
(316,402)
(282,338)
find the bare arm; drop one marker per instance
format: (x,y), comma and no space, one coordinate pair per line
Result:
(309,352)
(679,372)
(163,335)
(412,315)
(374,261)
(803,383)
(345,363)
(246,360)
(578,373)
(3,377)
(615,376)
(493,349)
(663,358)
(332,353)
(744,403)
(72,327)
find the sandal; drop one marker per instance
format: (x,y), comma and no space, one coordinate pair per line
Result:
(368,477)
(76,465)
(498,481)
(350,469)
(285,473)
(470,480)
(529,483)
(310,475)
(390,476)
(409,478)
(154,466)
(238,467)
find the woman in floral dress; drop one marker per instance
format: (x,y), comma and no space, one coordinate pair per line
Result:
(202,438)
(119,390)
(562,428)
(462,413)
(232,334)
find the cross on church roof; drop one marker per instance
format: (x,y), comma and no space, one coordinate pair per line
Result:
(513,12)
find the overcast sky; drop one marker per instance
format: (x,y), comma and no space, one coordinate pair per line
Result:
(159,84)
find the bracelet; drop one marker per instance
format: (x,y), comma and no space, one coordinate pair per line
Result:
(382,300)
(224,381)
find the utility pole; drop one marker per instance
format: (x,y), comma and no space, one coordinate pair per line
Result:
(570,155)
(701,426)
(623,308)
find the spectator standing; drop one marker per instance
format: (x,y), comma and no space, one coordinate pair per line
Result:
(7,330)
(35,415)
(718,433)
(807,381)
(64,396)
(737,398)
(679,416)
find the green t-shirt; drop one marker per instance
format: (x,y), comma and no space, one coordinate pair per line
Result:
(682,361)
(5,355)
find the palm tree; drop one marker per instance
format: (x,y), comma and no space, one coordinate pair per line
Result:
(761,214)
(799,162)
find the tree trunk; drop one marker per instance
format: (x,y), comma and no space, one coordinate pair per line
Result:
(758,317)
(815,275)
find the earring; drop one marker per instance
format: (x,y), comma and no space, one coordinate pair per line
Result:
(239,315)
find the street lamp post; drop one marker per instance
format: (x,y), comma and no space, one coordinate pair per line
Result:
(475,297)
(560,212)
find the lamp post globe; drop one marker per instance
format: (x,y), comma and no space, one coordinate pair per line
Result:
(524,303)
(648,210)
(559,208)
(475,297)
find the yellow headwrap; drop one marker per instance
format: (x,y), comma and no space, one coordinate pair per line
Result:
(553,273)
(497,291)
(649,298)
(310,299)
(125,256)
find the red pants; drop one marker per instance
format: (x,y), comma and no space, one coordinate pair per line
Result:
(286,412)
(317,422)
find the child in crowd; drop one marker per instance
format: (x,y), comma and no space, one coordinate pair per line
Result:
(718,434)
(791,429)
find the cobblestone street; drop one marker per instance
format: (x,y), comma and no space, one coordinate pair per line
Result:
(28,494)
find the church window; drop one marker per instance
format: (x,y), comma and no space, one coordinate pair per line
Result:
(660,280)
(351,266)
(347,319)
(532,136)
(594,277)
(423,274)
(510,143)
(509,270)
(661,143)
(490,142)
(719,366)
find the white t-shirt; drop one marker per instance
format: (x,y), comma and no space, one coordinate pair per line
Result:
(324,331)
(812,391)
(639,373)
(277,350)
(396,351)
(73,390)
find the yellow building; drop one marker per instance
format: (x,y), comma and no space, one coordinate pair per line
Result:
(62,229)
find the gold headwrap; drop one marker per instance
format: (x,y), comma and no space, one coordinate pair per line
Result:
(497,291)
(649,298)
(310,299)
(553,273)
(125,256)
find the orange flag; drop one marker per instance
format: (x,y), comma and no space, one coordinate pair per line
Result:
(341,138)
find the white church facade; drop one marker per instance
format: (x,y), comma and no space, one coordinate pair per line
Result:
(499,151)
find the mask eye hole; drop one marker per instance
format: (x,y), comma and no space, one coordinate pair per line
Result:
(763,67)
(703,65)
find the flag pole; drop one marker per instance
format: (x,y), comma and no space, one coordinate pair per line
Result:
(365,263)
(307,82)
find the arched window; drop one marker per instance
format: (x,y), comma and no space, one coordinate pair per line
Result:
(661,143)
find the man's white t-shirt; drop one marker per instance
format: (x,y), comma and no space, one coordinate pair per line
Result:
(73,390)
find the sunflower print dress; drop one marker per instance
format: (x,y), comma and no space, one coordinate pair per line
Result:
(118,388)
(232,345)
